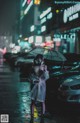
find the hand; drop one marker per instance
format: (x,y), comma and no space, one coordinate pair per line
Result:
(43,67)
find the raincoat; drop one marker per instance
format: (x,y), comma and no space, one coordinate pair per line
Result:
(38,91)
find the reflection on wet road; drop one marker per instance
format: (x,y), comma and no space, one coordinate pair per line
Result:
(14,95)
(15,99)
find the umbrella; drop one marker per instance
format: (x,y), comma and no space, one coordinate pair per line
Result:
(49,54)
(54,55)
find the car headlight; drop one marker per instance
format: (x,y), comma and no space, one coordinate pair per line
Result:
(74,87)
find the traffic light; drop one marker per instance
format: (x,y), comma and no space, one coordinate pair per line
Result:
(37,2)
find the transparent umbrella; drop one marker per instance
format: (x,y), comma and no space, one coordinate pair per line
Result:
(49,54)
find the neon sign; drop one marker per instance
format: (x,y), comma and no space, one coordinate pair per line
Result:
(26,1)
(49,16)
(32,28)
(43,28)
(28,8)
(45,12)
(74,17)
(68,13)
(23,4)
(43,20)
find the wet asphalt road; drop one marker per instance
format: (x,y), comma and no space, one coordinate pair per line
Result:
(15,100)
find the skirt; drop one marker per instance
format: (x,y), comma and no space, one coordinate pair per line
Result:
(38,92)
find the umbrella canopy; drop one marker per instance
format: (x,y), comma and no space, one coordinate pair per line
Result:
(49,54)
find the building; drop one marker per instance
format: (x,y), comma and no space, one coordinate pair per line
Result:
(50,21)
(69,28)
(60,22)
(29,23)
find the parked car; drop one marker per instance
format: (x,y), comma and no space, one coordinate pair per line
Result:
(69,90)
(59,72)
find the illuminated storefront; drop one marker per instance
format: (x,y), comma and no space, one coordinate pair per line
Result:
(68,30)
(62,25)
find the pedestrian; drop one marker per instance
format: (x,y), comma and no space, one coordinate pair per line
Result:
(38,78)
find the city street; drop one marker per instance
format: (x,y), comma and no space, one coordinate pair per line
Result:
(40,60)
(15,100)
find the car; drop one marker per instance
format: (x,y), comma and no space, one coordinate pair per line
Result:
(59,71)
(69,90)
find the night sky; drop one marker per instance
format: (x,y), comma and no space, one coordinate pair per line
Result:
(7,16)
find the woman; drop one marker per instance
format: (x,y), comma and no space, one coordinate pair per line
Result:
(38,78)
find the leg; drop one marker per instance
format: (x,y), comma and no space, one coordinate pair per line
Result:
(42,112)
(32,111)
(43,106)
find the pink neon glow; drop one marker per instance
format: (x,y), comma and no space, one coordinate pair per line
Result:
(3,51)
(28,1)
